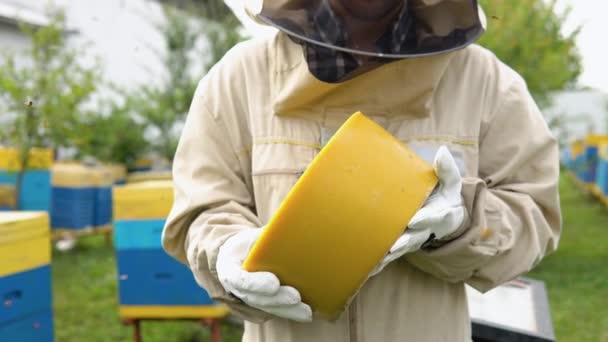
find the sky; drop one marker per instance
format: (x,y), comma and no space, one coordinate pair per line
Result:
(591,14)
(121,37)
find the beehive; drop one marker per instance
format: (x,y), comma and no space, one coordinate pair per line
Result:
(147,176)
(151,283)
(602,171)
(25,277)
(590,160)
(7,197)
(73,196)
(103,180)
(143,164)
(35,192)
(39,159)
(119,173)
(343,214)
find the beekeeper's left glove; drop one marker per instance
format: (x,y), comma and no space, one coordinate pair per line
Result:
(440,219)
(260,290)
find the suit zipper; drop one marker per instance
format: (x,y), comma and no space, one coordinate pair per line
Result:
(278,172)
(352,322)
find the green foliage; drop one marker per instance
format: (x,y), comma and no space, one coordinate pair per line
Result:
(44,87)
(43,90)
(162,107)
(527,35)
(85,302)
(576,276)
(114,136)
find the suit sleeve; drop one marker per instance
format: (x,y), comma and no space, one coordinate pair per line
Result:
(513,204)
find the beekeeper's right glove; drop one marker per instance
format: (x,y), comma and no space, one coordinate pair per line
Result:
(260,290)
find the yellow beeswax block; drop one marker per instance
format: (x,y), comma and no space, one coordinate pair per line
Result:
(342,216)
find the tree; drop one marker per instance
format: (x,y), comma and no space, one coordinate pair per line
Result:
(163,107)
(43,89)
(528,35)
(112,136)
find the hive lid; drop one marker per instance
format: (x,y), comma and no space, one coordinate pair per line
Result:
(596,139)
(39,159)
(21,225)
(102,176)
(343,214)
(145,200)
(119,171)
(146,176)
(72,175)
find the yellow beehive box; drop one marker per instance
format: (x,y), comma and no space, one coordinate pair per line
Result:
(596,139)
(342,216)
(146,176)
(143,163)
(175,312)
(39,159)
(145,200)
(24,241)
(577,148)
(102,176)
(72,175)
(119,172)
(7,196)
(604,151)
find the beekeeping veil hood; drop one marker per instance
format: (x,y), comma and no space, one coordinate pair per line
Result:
(439,25)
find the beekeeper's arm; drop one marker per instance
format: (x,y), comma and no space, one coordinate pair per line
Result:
(513,207)
(212,225)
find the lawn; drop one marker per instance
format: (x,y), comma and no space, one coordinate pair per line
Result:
(85,298)
(86,302)
(577,274)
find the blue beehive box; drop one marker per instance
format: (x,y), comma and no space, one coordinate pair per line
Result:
(73,197)
(151,283)
(141,260)
(576,158)
(591,158)
(37,327)
(602,170)
(25,277)
(102,212)
(35,192)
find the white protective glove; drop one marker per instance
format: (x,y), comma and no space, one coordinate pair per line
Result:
(260,290)
(441,216)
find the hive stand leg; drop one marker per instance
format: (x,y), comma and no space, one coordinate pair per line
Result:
(108,236)
(137,330)
(214,326)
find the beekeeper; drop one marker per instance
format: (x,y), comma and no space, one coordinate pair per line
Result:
(262,114)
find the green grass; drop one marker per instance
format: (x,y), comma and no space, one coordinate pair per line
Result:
(577,274)
(86,307)
(86,302)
